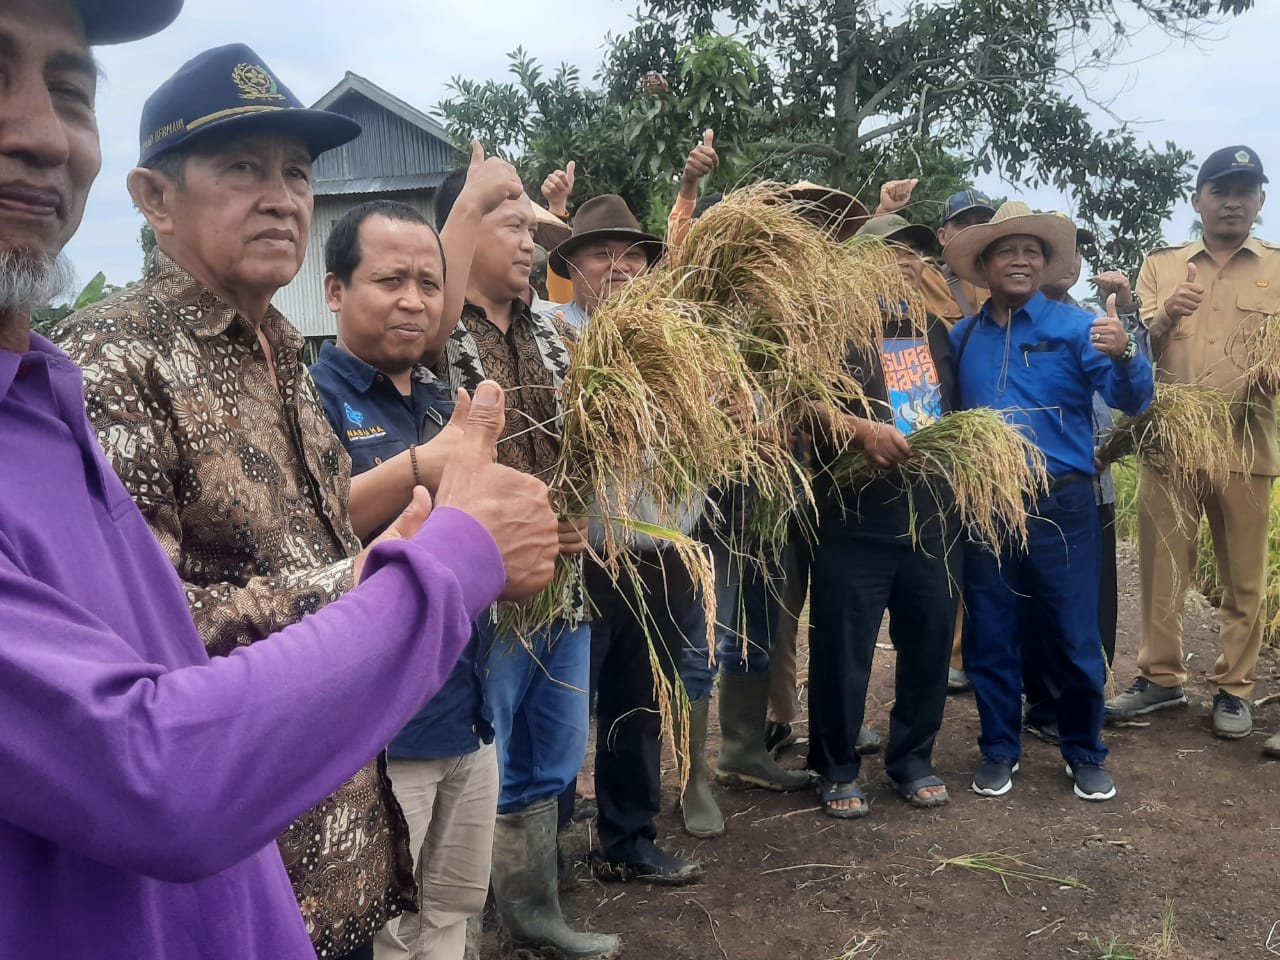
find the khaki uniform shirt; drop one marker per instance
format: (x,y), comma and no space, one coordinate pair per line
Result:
(1207,346)
(245,486)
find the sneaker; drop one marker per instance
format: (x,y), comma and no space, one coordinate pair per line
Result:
(1143,697)
(957,681)
(994,778)
(1231,717)
(1092,782)
(1272,747)
(648,865)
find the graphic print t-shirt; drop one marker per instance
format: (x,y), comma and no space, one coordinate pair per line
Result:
(912,386)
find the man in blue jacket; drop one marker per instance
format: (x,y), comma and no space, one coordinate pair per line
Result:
(1040,362)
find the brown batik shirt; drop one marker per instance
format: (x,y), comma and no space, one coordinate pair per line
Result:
(245,485)
(530,441)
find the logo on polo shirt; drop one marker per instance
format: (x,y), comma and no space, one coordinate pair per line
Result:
(355,416)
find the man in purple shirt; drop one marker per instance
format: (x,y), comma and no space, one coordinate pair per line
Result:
(144,784)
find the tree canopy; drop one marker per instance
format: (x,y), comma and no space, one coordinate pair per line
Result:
(852,93)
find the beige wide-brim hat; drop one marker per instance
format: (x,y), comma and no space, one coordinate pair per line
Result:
(549,231)
(1013,219)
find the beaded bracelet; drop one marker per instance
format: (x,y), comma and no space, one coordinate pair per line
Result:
(413,462)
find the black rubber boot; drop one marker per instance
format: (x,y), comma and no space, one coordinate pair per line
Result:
(525,888)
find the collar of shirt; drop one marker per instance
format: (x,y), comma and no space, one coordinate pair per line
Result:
(520,312)
(572,314)
(1251,244)
(205,313)
(361,374)
(1033,308)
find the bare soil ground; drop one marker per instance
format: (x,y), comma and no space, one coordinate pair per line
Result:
(1196,827)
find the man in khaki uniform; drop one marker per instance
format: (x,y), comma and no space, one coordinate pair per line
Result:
(1196,298)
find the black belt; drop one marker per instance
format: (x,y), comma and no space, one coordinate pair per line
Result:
(1062,481)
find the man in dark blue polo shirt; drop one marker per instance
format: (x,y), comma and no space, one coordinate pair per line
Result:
(1039,362)
(385,283)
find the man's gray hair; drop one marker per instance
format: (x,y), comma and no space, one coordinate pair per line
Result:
(30,280)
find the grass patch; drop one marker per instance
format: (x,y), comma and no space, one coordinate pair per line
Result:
(1006,867)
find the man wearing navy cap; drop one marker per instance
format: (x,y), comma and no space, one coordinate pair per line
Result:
(144,783)
(964,209)
(196,386)
(1197,297)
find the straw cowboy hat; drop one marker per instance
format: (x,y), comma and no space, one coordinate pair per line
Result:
(843,210)
(604,218)
(1013,219)
(548,229)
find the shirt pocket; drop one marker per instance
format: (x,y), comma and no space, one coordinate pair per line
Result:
(367,454)
(1259,300)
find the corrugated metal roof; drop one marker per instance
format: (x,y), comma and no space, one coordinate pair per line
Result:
(420,181)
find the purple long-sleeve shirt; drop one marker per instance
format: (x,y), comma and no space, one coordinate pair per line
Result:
(142,785)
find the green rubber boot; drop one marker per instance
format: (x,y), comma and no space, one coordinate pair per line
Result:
(744,761)
(525,888)
(702,817)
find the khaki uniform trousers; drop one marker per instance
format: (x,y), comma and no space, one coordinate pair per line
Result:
(1168,523)
(450,804)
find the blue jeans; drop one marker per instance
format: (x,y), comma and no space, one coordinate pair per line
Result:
(538,694)
(1056,579)
(748,606)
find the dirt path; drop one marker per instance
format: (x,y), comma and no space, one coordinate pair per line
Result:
(1196,825)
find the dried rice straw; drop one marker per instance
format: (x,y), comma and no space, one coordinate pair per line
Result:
(989,467)
(1187,432)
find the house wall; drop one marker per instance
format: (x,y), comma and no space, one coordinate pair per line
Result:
(302,301)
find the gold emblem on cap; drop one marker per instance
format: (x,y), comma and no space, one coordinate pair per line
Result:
(1242,156)
(255,83)
(1263,283)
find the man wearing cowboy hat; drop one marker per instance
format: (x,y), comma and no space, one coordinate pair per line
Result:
(145,783)
(196,386)
(1039,362)
(606,249)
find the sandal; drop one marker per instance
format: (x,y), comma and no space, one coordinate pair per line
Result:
(910,791)
(832,792)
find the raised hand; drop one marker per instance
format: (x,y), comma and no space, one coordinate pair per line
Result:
(1187,298)
(895,195)
(557,188)
(702,160)
(489,183)
(1107,334)
(1115,282)
(514,507)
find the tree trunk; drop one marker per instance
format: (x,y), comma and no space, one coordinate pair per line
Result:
(845,103)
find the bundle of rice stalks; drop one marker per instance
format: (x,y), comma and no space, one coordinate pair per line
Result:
(1257,340)
(1188,431)
(978,462)
(797,300)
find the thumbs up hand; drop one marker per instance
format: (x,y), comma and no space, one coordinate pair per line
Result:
(557,188)
(702,160)
(1107,334)
(489,183)
(514,507)
(1187,298)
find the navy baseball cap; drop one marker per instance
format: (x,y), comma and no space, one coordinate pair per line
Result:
(117,21)
(958,203)
(229,88)
(1228,162)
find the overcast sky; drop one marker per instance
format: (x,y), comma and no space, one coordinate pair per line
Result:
(1201,98)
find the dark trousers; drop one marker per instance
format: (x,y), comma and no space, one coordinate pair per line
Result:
(628,726)
(360,953)
(1055,580)
(1040,691)
(853,581)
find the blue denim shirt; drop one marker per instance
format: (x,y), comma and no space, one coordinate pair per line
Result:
(374,422)
(1042,371)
